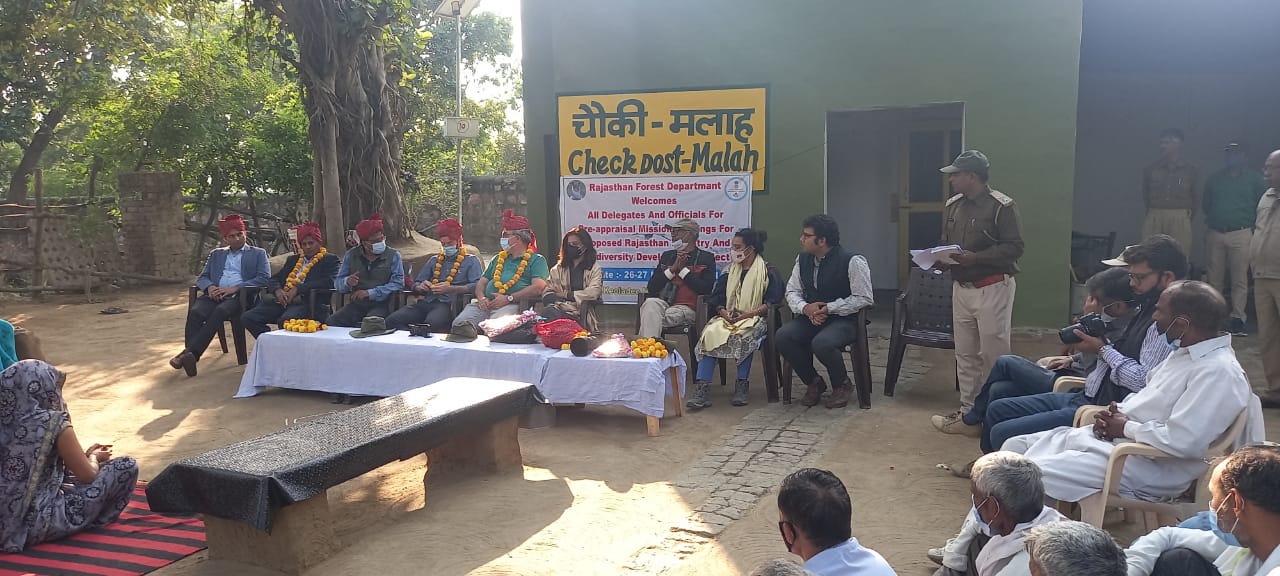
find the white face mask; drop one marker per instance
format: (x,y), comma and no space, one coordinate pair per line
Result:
(678,245)
(738,255)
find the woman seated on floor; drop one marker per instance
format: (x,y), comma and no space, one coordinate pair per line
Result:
(574,280)
(738,307)
(50,486)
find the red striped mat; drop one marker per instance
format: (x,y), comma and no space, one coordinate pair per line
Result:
(139,542)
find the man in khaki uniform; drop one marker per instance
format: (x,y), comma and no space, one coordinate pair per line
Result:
(1170,191)
(985,223)
(1230,205)
(1264,254)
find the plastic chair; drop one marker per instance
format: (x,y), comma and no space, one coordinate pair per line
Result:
(237,327)
(921,317)
(859,358)
(1154,514)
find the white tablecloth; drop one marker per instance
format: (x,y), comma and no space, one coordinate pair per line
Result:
(640,384)
(333,361)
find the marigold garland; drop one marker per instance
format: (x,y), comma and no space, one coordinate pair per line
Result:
(299,272)
(462,253)
(497,271)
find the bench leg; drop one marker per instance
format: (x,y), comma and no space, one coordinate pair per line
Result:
(492,450)
(301,536)
(651,425)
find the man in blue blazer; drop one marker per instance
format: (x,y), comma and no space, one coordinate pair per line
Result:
(227,270)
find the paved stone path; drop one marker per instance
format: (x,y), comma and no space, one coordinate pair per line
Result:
(751,460)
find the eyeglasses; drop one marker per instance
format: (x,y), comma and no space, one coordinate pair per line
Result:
(1140,277)
(807,235)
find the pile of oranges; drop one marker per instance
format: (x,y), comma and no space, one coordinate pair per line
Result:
(648,348)
(302,325)
(580,334)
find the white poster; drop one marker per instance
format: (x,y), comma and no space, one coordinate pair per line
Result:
(627,217)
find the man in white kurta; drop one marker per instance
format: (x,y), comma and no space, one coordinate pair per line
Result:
(1189,401)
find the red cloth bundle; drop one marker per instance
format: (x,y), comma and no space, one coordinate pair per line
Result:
(556,333)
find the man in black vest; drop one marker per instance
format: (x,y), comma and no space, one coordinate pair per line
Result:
(828,286)
(1122,365)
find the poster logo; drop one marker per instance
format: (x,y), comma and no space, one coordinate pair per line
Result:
(736,188)
(575,190)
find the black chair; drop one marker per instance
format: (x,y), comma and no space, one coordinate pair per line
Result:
(690,331)
(237,326)
(921,317)
(1088,252)
(768,352)
(859,358)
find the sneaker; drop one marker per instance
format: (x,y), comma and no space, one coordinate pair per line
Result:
(1238,328)
(935,555)
(813,394)
(741,393)
(701,396)
(953,423)
(839,397)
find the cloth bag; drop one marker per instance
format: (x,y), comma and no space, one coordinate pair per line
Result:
(556,333)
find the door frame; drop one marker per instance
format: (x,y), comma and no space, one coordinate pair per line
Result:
(904,206)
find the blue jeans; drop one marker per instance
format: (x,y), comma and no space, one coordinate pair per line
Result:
(1009,417)
(707,367)
(1012,376)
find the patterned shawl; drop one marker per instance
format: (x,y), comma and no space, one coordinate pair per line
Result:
(32,414)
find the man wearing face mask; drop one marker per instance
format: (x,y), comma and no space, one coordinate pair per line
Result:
(814,515)
(1190,399)
(517,272)
(371,273)
(1110,296)
(452,273)
(313,268)
(683,273)
(1123,363)
(1245,537)
(1230,203)
(1008,501)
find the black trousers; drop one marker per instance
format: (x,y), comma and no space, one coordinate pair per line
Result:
(204,320)
(438,314)
(799,341)
(1183,562)
(354,312)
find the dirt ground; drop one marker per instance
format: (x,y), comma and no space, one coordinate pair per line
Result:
(595,489)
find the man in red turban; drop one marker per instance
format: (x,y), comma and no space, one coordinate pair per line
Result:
(370,273)
(517,273)
(227,269)
(447,276)
(312,269)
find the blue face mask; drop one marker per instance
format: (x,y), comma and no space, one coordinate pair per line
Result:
(983,525)
(1227,536)
(506,244)
(451,251)
(378,247)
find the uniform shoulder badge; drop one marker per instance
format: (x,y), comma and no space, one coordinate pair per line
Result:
(1001,198)
(954,198)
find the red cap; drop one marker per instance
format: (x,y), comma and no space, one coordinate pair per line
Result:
(367,228)
(232,223)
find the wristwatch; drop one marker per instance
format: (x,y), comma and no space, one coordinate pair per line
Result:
(510,298)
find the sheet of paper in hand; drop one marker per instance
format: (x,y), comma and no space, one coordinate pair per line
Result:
(928,257)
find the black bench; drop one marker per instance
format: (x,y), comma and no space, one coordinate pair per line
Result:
(264,499)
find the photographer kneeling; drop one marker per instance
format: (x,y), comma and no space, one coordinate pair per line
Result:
(1107,308)
(1123,363)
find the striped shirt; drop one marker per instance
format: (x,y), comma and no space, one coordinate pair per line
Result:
(1125,371)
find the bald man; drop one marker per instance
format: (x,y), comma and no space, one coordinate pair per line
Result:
(1264,255)
(1189,401)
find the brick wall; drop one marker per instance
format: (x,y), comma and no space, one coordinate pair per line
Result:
(151,222)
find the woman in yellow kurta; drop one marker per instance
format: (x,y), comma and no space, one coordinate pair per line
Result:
(739,305)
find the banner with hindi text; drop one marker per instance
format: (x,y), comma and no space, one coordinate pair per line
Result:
(627,217)
(719,130)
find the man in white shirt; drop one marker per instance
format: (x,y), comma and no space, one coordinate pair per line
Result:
(1073,548)
(1245,503)
(814,517)
(1008,501)
(1190,399)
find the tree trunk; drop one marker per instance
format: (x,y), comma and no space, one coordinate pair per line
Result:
(334,231)
(31,156)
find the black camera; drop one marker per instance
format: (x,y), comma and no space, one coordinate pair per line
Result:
(1091,324)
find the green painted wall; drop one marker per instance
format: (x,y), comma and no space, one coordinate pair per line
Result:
(1014,63)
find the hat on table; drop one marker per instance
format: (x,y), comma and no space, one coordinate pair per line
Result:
(371,326)
(464,332)
(968,161)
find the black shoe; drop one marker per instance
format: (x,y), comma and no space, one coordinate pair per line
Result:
(1238,327)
